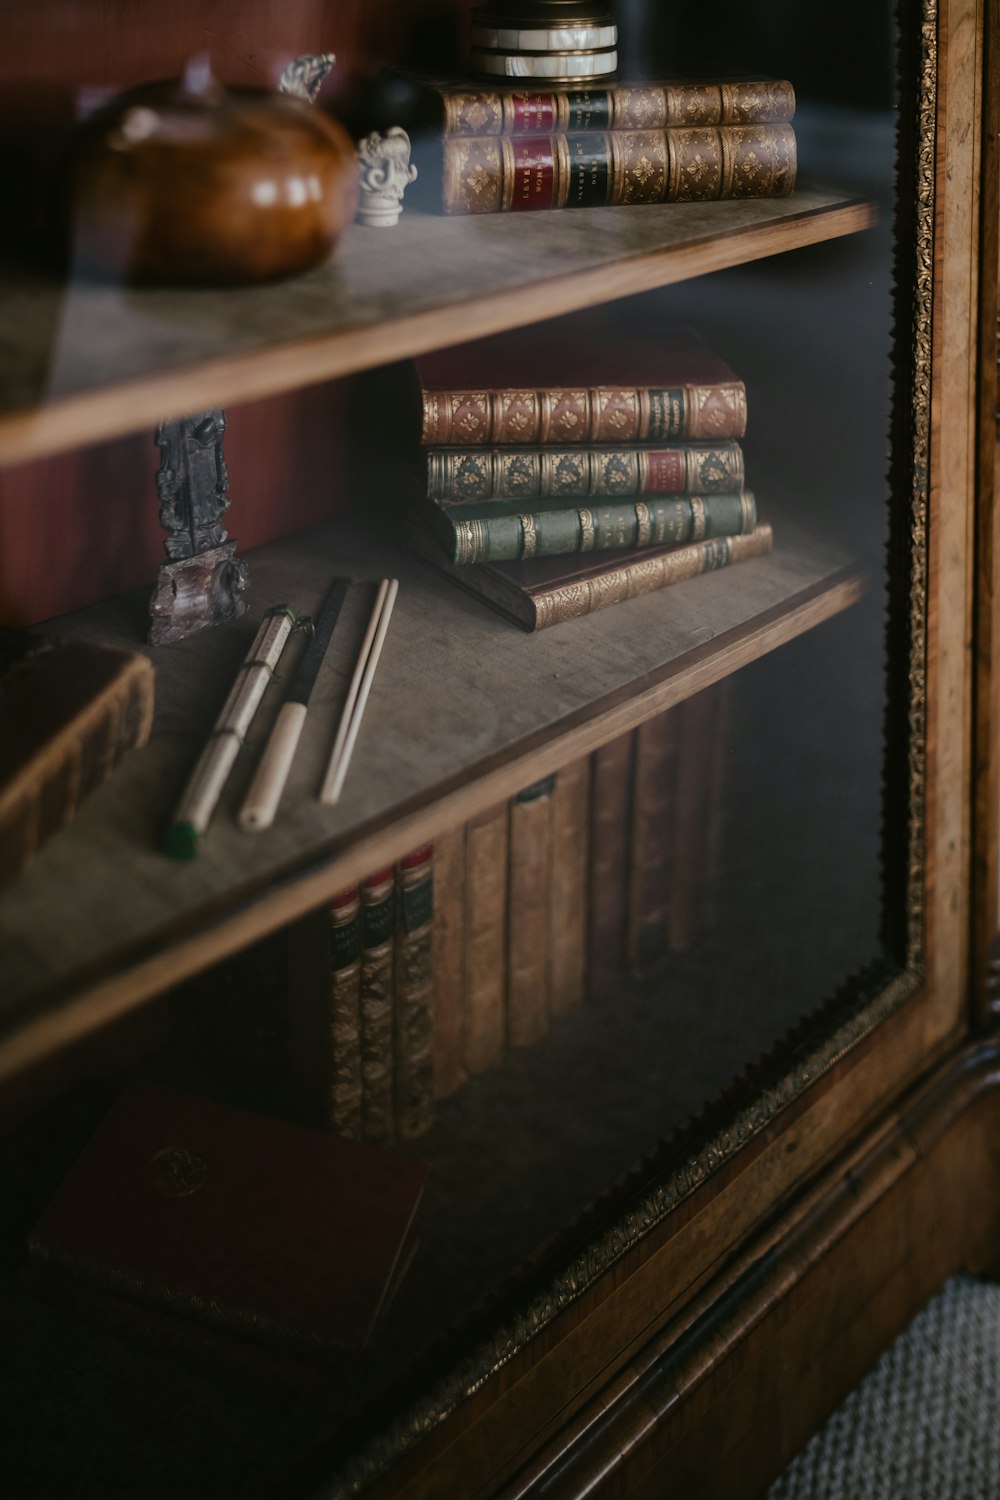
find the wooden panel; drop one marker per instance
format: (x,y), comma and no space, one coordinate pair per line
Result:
(720,1401)
(79,527)
(951,527)
(986,820)
(465,712)
(97,361)
(132,41)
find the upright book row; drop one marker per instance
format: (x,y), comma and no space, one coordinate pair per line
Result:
(363,1014)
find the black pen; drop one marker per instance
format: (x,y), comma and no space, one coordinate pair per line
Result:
(261,802)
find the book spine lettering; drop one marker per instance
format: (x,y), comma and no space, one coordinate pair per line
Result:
(598,414)
(463,476)
(552,533)
(377,931)
(414,981)
(345,1086)
(653,107)
(647,575)
(676,165)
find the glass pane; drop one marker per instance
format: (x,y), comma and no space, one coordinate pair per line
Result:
(626,868)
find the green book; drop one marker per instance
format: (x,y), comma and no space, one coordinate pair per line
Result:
(475,534)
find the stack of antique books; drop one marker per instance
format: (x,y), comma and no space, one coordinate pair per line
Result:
(510,147)
(616,471)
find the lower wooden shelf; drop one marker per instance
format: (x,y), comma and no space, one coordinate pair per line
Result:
(466,710)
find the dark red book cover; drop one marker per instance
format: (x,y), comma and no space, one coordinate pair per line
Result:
(235,1218)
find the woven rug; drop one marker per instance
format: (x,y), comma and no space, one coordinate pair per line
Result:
(925,1423)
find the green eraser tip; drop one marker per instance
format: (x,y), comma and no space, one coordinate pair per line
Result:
(182,841)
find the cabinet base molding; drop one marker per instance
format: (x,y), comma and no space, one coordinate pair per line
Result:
(721,1399)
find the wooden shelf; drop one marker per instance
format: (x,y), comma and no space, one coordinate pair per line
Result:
(466,710)
(89,362)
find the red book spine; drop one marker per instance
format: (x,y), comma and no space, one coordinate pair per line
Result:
(530,173)
(533,114)
(665,472)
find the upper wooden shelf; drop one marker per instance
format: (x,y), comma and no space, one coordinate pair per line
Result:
(466,710)
(87,362)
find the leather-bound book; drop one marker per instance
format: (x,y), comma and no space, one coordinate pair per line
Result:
(459,476)
(568,888)
(234,1218)
(378,927)
(413,1079)
(616,106)
(324,1005)
(69,711)
(659,749)
(528,888)
(464,108)
(587,385)
(486,855)
(499,174)
(448,961)
(702,726)
(516,110)
(610,830)
(541,591)
(476,533)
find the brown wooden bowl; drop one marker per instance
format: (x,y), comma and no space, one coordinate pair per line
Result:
(222,186)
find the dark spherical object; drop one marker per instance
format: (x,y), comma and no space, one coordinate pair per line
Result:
(218,186)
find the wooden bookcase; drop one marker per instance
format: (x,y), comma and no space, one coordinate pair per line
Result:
(761,1258)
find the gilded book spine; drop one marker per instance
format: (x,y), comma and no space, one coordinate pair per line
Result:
(324,1015)
(700,812)
(483,112)
(70,713)
(551,533)
(647,575)
(448,960)
(345,1087)
(611,801)
(414,1010)
(461,477)
(500,174)
(485,939)
(591,414)
(528,919)
(568,897)
(377,933)
(653,859)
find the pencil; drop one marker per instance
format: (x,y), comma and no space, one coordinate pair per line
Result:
(205,784)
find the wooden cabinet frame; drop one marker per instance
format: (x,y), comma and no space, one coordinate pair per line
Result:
(856,1169)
